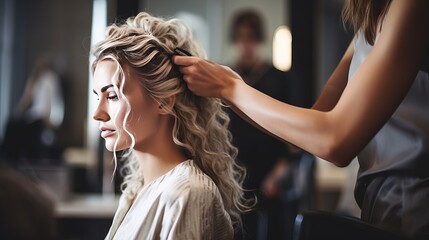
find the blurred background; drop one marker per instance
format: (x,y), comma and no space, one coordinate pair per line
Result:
(47,133)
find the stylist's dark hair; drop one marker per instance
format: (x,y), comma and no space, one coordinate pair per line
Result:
(365,15)
(249,18)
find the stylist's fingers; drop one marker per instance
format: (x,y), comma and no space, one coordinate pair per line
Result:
(198,69)
(198,80)
(188,70)
(189,73)
(203,77)
(185,60)
(187,76)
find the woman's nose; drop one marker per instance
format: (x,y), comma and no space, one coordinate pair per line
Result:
(100,114)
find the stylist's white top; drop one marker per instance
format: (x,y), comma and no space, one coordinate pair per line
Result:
(184,203)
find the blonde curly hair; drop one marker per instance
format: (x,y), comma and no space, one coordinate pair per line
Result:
(144,44)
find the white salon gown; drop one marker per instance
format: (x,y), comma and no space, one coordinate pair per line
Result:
(184,203)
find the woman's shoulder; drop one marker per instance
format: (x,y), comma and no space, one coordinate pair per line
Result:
(190,182)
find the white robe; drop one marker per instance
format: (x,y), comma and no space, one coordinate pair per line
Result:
(184,203)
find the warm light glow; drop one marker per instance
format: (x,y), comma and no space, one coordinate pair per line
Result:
(282,49)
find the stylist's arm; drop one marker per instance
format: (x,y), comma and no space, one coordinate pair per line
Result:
(292,124)
(348,113)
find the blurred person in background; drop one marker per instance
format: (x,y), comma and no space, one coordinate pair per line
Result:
(31,132)
(265,157)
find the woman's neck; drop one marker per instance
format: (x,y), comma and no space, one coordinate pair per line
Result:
(158,157)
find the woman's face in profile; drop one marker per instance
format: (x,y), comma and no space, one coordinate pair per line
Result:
(144,116)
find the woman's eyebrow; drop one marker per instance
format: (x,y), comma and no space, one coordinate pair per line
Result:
(103,89)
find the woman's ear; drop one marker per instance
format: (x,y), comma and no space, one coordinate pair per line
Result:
(166,105)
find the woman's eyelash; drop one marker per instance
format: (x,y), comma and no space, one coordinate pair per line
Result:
(114,97)
(109,97)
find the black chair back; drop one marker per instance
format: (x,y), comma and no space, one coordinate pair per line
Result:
(312,225)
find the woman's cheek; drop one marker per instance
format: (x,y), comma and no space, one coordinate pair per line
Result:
(119,115)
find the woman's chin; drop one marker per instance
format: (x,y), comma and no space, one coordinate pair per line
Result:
(110,146)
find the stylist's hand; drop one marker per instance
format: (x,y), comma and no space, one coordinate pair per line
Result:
(207,79)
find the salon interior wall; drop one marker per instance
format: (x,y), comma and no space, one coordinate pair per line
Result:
(211,20)
(61,28)
(5,53)
(332,39)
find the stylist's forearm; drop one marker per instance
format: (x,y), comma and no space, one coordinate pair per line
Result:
(306,128)
(312,130)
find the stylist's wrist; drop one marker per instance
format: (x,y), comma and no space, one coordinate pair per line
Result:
(229,91)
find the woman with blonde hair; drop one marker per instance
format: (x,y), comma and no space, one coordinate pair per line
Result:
(182,181)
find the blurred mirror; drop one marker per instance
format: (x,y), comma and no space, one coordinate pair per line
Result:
(212,20)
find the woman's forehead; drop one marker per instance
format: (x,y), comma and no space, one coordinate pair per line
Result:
(107,71)
(105,68)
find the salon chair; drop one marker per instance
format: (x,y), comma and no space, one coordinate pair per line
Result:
(311,225)
(298,192)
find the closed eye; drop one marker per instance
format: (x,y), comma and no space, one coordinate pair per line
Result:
(113,97)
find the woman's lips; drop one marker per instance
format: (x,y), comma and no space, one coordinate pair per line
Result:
(106,132)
